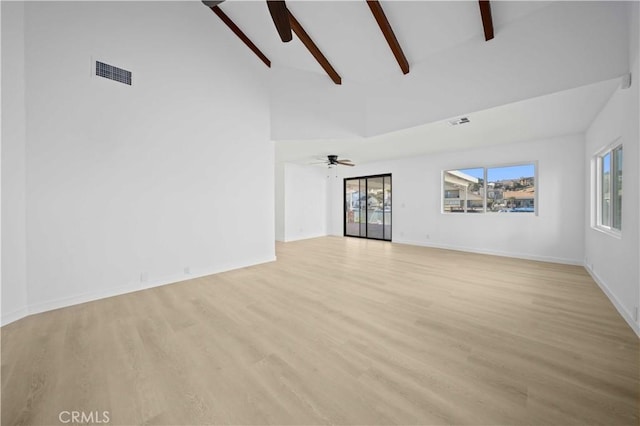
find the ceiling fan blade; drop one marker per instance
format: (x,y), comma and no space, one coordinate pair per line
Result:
(280,16)
(345,163)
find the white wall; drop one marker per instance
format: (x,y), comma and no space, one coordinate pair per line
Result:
(304,213)
(555,234)
(279,200)
(14,279)
(613,262)
(126,186)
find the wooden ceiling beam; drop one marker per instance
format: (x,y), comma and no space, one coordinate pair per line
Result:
(389,35)
(241,35)
(313,49)
(487,22)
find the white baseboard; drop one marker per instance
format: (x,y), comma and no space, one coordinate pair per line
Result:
(565,261)
(77,299)
(14,316)
(628,317)
(63,302)
(305,237)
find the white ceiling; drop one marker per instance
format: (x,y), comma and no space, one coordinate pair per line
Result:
(561,113)
(348,35)
(548,71)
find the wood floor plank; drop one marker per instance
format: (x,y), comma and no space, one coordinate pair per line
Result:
(337,331)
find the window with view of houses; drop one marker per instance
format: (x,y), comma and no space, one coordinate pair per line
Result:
(504,189)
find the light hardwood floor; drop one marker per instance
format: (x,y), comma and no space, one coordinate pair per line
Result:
(337,331)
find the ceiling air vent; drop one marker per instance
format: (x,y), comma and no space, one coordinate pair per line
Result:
(461,120)
(113,73)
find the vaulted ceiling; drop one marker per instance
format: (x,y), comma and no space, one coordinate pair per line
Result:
(540,48)
(348,35)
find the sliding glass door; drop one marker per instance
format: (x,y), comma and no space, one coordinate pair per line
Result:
(367,207)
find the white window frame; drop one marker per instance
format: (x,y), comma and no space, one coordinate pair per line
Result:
(484,175)
(597,167)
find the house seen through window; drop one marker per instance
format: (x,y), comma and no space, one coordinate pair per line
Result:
(505,189)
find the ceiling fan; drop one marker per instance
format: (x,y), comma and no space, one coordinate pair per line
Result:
(332,160)
(279,14)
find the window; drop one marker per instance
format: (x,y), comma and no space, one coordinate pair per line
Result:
(463,191)
(504,189)
(511,189)
(609,189)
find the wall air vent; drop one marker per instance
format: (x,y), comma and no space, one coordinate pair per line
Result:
(113,73)
(461,120)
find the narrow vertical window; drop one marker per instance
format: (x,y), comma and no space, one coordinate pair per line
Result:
(617,188)
(605,198)
(609,189)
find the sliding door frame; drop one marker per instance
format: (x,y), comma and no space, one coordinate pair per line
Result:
(366,192)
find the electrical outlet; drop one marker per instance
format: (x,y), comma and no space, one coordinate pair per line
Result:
(635,314)
(144,277)
(187,270)
(428,236)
